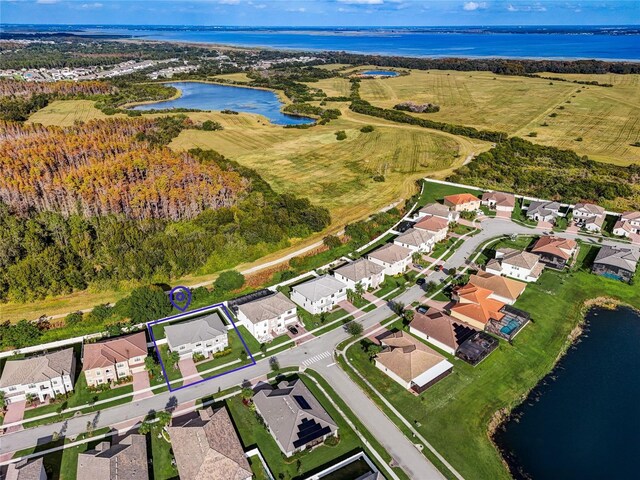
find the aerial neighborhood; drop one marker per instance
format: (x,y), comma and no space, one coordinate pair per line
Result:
(450,301)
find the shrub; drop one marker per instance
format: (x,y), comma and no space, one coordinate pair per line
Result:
(341,135)
(367,129)
(354,328)
(210,126)
(228,281)
(533,134)
(378,178)
(73,318)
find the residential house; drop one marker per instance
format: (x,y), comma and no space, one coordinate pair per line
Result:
(462,202)
(394,258)
(410,362)
(357,464)
(27,470)
(440,211)
(363,271)
(627,225)
(440,330)
(416,240)
(112,360)
(514,263)
(203,336)
(319,295)
(437,226)
(44,376)
(207,447)
(588,216)
(499,201)
(555,252)
(293,416)
(616,262)
(126,460)
(505,290)
(475,306)
(543,211)
(268,317)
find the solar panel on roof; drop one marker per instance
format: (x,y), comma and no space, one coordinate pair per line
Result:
(302,402)
(309,430)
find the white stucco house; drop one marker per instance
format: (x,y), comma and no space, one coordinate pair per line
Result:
(394,258)
(205,335)
(544,211)
(437,226)
(513,263)
(416,240)
(44,376)
(363,272)
(268,317)
(627,225)
(438,210)
(588,216)
(499,201)
(319,295)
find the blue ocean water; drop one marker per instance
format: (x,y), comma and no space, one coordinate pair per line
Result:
(570,43)
(206,96)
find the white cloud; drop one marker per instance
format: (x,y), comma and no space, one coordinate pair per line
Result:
(299,10)
(229,2)
(362,2)
(536,7)
(47,2)
(471,6)
(91,5)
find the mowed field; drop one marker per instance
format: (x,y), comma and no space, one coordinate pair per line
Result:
(66,112)
(607,119)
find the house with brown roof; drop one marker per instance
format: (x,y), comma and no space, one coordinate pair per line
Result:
(516,264)
(627,225)
(505,290)
(27,470)
(394,258)
(437,226)
(555,252)
(43,376)
(126,460)
(438,210)
(268,317)
(294,417)
(410,362)
(475,306)
(363,271)
(114,359)
(462,202)
(206,447)
(588,216)
(416,240)
(441,330)
(499,201)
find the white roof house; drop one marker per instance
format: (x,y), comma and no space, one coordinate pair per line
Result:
(440,211)
(394,258)
(319,295)
(204,336)
(416,240)
(363,272)
(268,317)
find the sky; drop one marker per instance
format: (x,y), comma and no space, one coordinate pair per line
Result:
(322,12)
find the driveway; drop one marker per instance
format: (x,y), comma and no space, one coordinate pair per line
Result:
(15,413)
(349,307)
(141,382)
(189,371)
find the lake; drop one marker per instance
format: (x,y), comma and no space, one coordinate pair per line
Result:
(208,96)
(380,73)
(583,420)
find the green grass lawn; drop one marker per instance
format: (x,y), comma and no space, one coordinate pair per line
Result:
(171,371)
(390,284)
(455,413)
(435,192)
(313,321)
(161,458)
(236,350)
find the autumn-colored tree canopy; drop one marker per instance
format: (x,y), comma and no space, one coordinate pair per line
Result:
(20,88)
(103,167)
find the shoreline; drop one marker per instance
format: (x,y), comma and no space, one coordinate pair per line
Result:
(504,415)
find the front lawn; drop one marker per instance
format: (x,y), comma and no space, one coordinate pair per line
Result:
(434,192)
(237,349)
(314,321)
(455,413)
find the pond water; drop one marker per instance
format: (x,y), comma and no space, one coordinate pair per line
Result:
(381,73)
(208,96)
(582,421)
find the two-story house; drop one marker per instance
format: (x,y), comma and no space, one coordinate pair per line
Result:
(462,202)
(394,258)
(627,225)
(440,211)
(554,251)
(268,317)
(319,295)
(437,226)
(588,216)
(114,359)
(364,272)
(205,335)
(44,376)
(416,240)
(513,263)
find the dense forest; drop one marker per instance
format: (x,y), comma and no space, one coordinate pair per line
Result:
(517,165)
(108,167)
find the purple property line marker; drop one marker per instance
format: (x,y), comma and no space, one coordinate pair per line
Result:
(179,295)
(219,306)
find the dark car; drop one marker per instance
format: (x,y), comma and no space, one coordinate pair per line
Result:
(422,309)
(421,281)
(293,330)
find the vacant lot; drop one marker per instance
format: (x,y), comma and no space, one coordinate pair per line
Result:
(607,119)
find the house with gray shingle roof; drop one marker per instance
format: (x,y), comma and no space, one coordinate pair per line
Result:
(293,416)
(27,470)
(204,335)
(394,258)
(516,264)
(207,447)
(544,211)
(416,240)
(126,460)
(438,210)
(319,295)
(588,216)
(268,317)
(629,224)
(616,262)
(44,376)
(363,272)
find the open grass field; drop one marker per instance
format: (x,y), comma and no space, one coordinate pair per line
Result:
(455,413)
(66,112)
(607,119)
(333,87)
(236,77)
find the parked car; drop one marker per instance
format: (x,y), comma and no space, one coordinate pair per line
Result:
(422,309)
(418,266)
(293,329)
(421,281)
